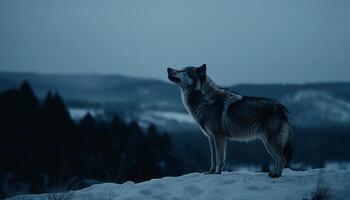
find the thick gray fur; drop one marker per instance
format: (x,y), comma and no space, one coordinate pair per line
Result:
(225,115)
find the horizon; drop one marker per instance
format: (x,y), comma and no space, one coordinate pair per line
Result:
(167,81)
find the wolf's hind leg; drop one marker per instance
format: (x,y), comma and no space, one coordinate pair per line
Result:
(220,149)
(212,155)
(275,149)
(269,150)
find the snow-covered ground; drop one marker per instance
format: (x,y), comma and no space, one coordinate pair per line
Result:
(229,185)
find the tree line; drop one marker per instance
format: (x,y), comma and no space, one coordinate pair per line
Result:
(41,146)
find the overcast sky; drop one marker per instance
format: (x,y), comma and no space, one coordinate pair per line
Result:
(243,41)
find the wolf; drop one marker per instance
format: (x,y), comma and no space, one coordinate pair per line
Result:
(226,115)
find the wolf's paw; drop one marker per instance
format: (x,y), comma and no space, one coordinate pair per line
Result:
(218,171)
(211,171)
(274,174)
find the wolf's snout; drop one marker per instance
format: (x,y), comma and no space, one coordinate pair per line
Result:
(169,70)
(172,75)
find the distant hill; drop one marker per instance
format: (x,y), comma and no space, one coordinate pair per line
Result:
(95,88)
(156,101)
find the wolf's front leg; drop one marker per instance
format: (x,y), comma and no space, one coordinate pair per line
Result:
(212,156)
(220,149)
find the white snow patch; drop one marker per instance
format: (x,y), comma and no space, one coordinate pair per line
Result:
(320,104)
(229,185)
(79,113)
(159,116)
(337,165)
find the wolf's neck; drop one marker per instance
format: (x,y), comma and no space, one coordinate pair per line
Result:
(210,92)
(195,100)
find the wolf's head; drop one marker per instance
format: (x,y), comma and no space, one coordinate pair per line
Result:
(188,77)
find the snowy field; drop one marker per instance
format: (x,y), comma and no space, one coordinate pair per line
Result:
(229,185)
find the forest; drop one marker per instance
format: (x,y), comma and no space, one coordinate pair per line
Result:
(43,148)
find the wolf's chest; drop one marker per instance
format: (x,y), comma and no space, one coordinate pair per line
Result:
(193,104)
(207,114)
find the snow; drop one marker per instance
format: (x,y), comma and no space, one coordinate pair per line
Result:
(229,185)
(320,104)
(157,117)
(79,113)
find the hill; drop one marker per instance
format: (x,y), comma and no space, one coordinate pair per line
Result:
(230,185)
(155,101)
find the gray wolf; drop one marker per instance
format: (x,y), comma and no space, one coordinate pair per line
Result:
(226,115)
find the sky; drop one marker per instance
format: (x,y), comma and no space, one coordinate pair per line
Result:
(241,41)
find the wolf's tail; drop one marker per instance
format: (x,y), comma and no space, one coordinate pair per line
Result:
(288,150)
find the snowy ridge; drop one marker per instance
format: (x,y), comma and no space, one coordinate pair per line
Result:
(229,185)
(312,106)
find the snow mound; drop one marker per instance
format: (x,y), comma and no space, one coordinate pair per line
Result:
(229,185)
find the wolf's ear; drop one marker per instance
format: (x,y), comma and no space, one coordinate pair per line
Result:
(202,72)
